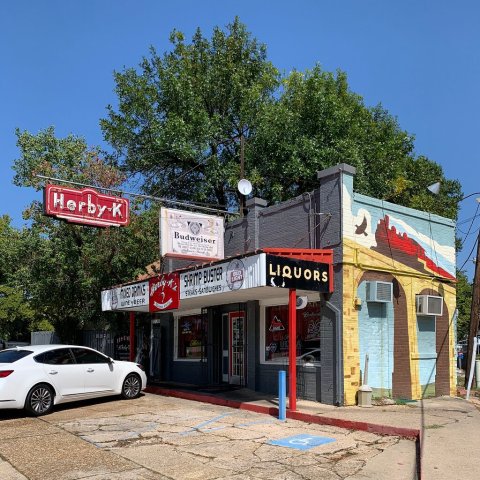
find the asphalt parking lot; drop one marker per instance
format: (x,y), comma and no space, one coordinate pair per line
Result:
(156,437)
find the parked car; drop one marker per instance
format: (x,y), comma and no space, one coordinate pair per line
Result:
(309,358)
(37,377)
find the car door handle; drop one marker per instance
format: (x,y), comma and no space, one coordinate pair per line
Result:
(90,370)
(52,372)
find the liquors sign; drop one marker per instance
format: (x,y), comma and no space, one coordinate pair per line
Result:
(287,272)
(86,206)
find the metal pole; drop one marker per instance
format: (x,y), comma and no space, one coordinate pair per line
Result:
(132,336)
(242,171)
(292,349)
(282,389)
(470,376)
(474,313)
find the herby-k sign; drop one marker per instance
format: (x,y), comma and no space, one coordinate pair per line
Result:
(86,206)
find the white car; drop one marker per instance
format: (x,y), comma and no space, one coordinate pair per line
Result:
(37,377)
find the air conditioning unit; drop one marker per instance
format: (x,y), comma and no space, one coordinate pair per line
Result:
(429,305)
(379,292)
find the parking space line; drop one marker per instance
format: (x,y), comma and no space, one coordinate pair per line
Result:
(198,427)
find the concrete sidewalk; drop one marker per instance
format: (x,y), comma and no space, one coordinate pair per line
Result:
(445,429)
(163,437)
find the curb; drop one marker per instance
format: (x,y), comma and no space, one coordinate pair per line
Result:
(408,433)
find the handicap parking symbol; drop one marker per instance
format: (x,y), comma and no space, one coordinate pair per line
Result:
(304,441)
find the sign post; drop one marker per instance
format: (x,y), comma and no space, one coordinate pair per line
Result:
(292,349)
(282,391)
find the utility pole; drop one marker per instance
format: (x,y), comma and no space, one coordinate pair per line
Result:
(242,170)
(474,312)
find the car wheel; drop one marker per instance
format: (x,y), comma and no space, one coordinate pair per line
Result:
(39,400)
(131,386)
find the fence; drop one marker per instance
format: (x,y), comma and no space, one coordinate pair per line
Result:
(44,338)
(110,344)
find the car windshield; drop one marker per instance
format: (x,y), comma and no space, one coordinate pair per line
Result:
(10,356)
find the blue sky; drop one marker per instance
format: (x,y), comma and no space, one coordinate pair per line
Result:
(418,58)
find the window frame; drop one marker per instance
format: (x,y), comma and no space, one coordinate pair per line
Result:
(46,352)
(176,319)
(280,361)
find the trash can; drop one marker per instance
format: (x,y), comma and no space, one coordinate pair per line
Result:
(364,396)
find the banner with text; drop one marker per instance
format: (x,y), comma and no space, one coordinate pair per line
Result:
(239,273)
(129,297)
(164,292)
(288,272)
(192,235)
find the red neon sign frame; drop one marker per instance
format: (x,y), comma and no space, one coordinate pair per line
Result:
(86,206)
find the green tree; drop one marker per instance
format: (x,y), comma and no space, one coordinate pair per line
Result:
(65,266)
(16,314)
(464,302)
(181,118)
(317,122)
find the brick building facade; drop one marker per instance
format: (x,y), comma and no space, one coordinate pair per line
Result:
(392,298)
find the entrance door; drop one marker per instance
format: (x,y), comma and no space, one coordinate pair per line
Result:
(427,354)
(155,346)
(233,347)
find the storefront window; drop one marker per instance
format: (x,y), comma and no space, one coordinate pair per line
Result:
(191,337)
(308,334)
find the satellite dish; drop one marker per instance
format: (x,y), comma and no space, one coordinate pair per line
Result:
(244,187)
(302,302)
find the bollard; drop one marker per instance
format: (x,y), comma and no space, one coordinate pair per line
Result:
(282,394)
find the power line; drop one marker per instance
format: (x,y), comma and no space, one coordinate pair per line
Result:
(469,255)
(146,197)
(471,224)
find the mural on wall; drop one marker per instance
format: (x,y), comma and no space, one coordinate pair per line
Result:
(420,243)
(381,239)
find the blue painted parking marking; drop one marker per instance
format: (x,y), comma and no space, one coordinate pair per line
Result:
(200,426)
(304,441)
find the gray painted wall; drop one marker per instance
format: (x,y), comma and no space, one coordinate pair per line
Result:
(311,220)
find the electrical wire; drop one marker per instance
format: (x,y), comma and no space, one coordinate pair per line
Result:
(471,224)
(469,255)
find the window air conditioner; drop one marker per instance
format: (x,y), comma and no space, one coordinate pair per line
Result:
(379,292)
(429,305)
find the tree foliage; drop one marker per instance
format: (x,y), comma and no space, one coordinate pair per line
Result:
(180,117)
(65,266)
(464,302)
(16,314)
(317,122)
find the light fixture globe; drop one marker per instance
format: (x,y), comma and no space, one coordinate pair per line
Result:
(244,187)
(434,188)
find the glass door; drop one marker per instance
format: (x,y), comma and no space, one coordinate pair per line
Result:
(237,347)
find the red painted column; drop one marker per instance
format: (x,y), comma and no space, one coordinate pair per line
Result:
(132,336)
(292,349)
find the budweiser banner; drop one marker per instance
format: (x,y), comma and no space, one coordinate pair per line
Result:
(86,206)
(191,235)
